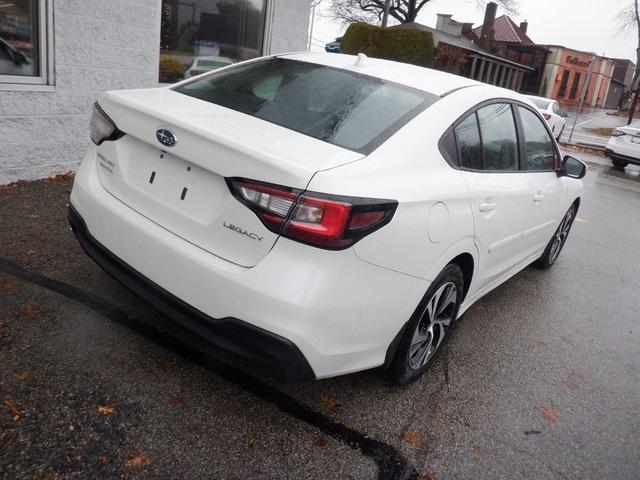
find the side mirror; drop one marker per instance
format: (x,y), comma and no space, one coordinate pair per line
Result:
(572,167)
(564,114)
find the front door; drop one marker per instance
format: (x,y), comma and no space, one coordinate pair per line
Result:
(546,189)
(498,190)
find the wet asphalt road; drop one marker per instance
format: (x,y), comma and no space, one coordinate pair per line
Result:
(541,379)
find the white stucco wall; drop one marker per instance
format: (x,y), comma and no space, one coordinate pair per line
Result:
(100,45)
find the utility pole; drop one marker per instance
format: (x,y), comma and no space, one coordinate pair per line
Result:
(634,100)
(385,15)
(313,21)
(585,90)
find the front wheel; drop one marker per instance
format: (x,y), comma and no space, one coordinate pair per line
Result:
(554,247)
(429,327)
(619,164)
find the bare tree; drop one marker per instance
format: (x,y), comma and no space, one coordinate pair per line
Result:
(405,11)
(629,22)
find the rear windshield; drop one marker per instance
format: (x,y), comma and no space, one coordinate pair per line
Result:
(343,108)
(538,102)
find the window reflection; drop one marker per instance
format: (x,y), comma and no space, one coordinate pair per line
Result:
(18,37)
(198,36)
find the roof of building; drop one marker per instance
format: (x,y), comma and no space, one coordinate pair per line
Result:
(506,30)
(461,42)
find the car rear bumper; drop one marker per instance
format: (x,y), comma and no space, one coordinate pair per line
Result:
(337,312)
(256,348)
(612,154)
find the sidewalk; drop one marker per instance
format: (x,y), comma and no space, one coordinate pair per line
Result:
(593,127)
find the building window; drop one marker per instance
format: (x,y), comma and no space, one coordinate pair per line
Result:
(25,46)
(574,85)
(563,84)
(198,36)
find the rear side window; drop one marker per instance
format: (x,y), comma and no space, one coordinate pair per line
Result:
(337,106)
(539,150)
(468,138)
(499,138)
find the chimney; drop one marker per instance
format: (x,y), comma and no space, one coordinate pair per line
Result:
(486,39)
(523,26)
(443,21)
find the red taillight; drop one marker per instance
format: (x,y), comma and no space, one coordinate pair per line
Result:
(326,221)
(546,116)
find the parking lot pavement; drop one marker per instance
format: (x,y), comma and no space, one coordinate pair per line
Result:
(539,381)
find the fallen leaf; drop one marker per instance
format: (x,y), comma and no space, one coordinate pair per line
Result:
(477,450)
(331,404)
(549,413)
(426,476)
(31,252)
(137,459)
(251,443)
(413,438)
(15,413)
(162,365)
(105,410)
(532,432)
(29,310)
(176,400)
(11,286)
(103,459)
(320,442)
(573,380)
(21,375)
(46,476)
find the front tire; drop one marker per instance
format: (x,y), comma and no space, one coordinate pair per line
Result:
(429,327)
(554,247)
(619,164)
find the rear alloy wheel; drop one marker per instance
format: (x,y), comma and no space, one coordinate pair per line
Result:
(619,164)
(429,327)
(554,247)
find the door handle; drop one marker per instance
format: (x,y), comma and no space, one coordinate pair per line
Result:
(538,197)
(488,206)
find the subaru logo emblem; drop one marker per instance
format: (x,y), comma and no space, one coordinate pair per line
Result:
(166,138)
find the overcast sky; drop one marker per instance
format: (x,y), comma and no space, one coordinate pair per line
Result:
(587,25)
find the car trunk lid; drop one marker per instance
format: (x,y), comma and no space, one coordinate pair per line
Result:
(183,187)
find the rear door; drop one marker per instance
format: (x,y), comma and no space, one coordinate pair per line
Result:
(499,192)
(541,158)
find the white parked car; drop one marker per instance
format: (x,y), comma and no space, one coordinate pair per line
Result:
(623,147)
(201,65)
(552,113)
(314,215)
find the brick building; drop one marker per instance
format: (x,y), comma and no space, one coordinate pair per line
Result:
(51,72)
(508,40)
(566,72)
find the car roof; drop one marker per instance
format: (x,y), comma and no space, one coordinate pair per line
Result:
(426,79)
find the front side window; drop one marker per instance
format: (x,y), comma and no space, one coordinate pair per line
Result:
(23,27)
(539,149)
(499,138)
(337,106)
(204,35)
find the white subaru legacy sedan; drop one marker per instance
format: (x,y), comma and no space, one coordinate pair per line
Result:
(313,215)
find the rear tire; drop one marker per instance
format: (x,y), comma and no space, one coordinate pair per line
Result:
(429,327)
(554,247)
(619,164)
